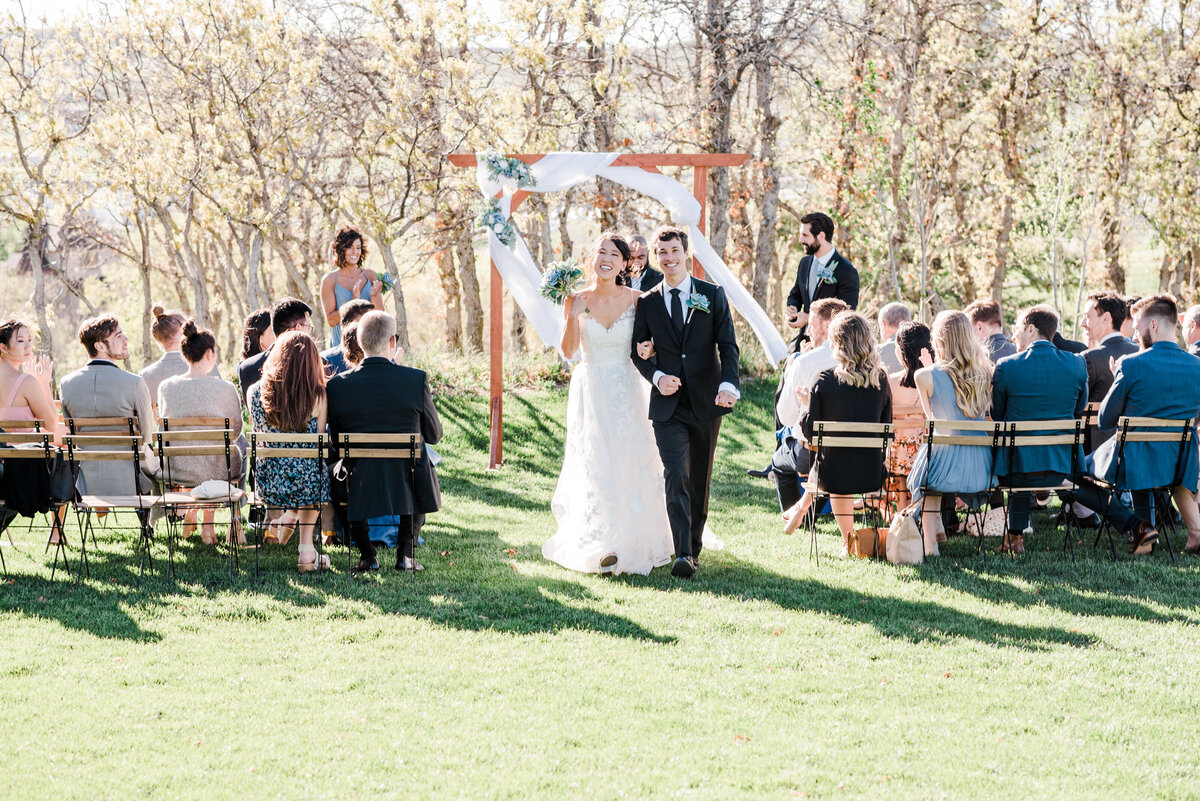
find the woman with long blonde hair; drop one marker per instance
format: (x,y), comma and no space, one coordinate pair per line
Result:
(854,390)
(958,386)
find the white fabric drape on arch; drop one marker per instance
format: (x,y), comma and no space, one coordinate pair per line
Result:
(556,172)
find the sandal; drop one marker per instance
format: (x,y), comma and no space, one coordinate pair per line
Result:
(319,561)
(282,529)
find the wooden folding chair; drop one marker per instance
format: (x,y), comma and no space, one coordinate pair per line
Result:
(830,435)
(179,438)
(382,446)
(933,439)
(1146,429)
(1021,434)
(27,447)
(905,419)
(265,445)
(120,426)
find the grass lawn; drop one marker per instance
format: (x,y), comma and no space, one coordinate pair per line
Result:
(498,675)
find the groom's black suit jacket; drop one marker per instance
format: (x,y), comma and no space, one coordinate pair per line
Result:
(705,357)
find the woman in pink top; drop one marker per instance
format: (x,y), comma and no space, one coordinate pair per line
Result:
(26,397)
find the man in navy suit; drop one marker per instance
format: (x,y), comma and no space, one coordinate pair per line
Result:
(823,273)
(1103,317)
(1162,380)
(1043,382)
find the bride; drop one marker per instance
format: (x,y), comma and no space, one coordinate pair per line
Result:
(609,503)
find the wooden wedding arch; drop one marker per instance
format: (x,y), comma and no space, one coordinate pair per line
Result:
(651,162)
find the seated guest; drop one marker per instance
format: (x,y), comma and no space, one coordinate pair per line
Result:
(915,348)
(855,390)
(167,330)
(638,274)
(25,397)
(257,335)
(1163,381)
(792,458)
(291,399)
(1103,317)
(1191,330)
(198,393)
(350,311)
(102,389)
(1127,326)
(352,353)
(384,397)
(288,314)
(1041,382)
(989,329)
(956,387)
(891,317)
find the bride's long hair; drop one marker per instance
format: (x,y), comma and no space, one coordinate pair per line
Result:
(619,242)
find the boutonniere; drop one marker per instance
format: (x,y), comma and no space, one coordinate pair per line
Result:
(825,274)
(698,302)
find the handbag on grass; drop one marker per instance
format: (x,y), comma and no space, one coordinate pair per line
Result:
(868,542)
(904,544)
(993,523)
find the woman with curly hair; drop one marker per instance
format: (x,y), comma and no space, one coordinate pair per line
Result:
(348,280)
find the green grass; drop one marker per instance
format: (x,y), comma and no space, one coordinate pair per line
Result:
(498,675)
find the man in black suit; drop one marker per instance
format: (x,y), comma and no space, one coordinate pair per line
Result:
(1103,316)
(639,274)
(989,329)
(381,397)
(288,314)
(823,273)
(1069,345)
(694,380)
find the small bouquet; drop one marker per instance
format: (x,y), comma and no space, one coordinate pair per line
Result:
(491,218)
(514,171)
(387,281)
(559,281)
(697,302)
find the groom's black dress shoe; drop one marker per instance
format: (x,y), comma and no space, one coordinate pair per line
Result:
(684,567)
(365,566)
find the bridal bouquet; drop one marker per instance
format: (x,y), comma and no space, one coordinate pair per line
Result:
(513,170)
(491,218)
(559,281)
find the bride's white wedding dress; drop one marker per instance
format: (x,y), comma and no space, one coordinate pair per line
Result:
(610,496)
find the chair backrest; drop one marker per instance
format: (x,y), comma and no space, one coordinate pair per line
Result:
(82,448)
(908,417)
(1134,429)
(208,423)
(193,442)
(993,427)
(1046,434)
(265,445)
(120,426)
(35,424)
(36,444)
(832,434)
(379,446)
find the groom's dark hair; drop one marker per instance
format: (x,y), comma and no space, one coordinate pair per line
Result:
(669,232)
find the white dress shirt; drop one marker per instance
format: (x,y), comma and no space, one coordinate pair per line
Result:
(685,292)
(800,373)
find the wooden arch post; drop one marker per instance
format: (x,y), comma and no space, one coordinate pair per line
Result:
(651,162)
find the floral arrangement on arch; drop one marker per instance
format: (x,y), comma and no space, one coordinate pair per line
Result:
(500,167)
(559,281)
(491,218)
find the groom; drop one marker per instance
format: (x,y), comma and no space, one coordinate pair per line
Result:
(694,377)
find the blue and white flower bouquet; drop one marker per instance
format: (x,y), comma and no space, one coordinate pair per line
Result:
(559,281)
(502,168)
(491,218)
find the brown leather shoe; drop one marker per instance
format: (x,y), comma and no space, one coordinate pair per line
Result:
(1144,534)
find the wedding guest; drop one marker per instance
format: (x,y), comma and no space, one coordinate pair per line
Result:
(1103,316)
(1127,325)
(1191,330)
(26,397)
(988,325)
(823,273)
(1069,345)
(288,314)
(352,353)
(854,390)
(102,389)
(793,458)
(198,393)
(167,330)
(291,399)
(915,348)
(639,274)
(1040,382)
(384,397)
(351,311)
(1138,390)
(348,281)
(257,335)
(957,386)
(891,317)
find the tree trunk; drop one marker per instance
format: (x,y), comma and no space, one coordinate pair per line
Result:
(1111,236)
(764,246)
(449,282)
(472,302)
(37,239)
(389,264)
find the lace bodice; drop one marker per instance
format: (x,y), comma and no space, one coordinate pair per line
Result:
(604,346)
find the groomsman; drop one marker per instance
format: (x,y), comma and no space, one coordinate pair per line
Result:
(823,273)
(1103,317)
(639,274)
(989,329)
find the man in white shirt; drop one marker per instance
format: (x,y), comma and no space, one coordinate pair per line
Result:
(792,458)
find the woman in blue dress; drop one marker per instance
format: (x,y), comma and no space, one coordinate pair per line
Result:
(348,281)
(957,386)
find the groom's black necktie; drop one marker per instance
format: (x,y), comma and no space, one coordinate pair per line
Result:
(677,313)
